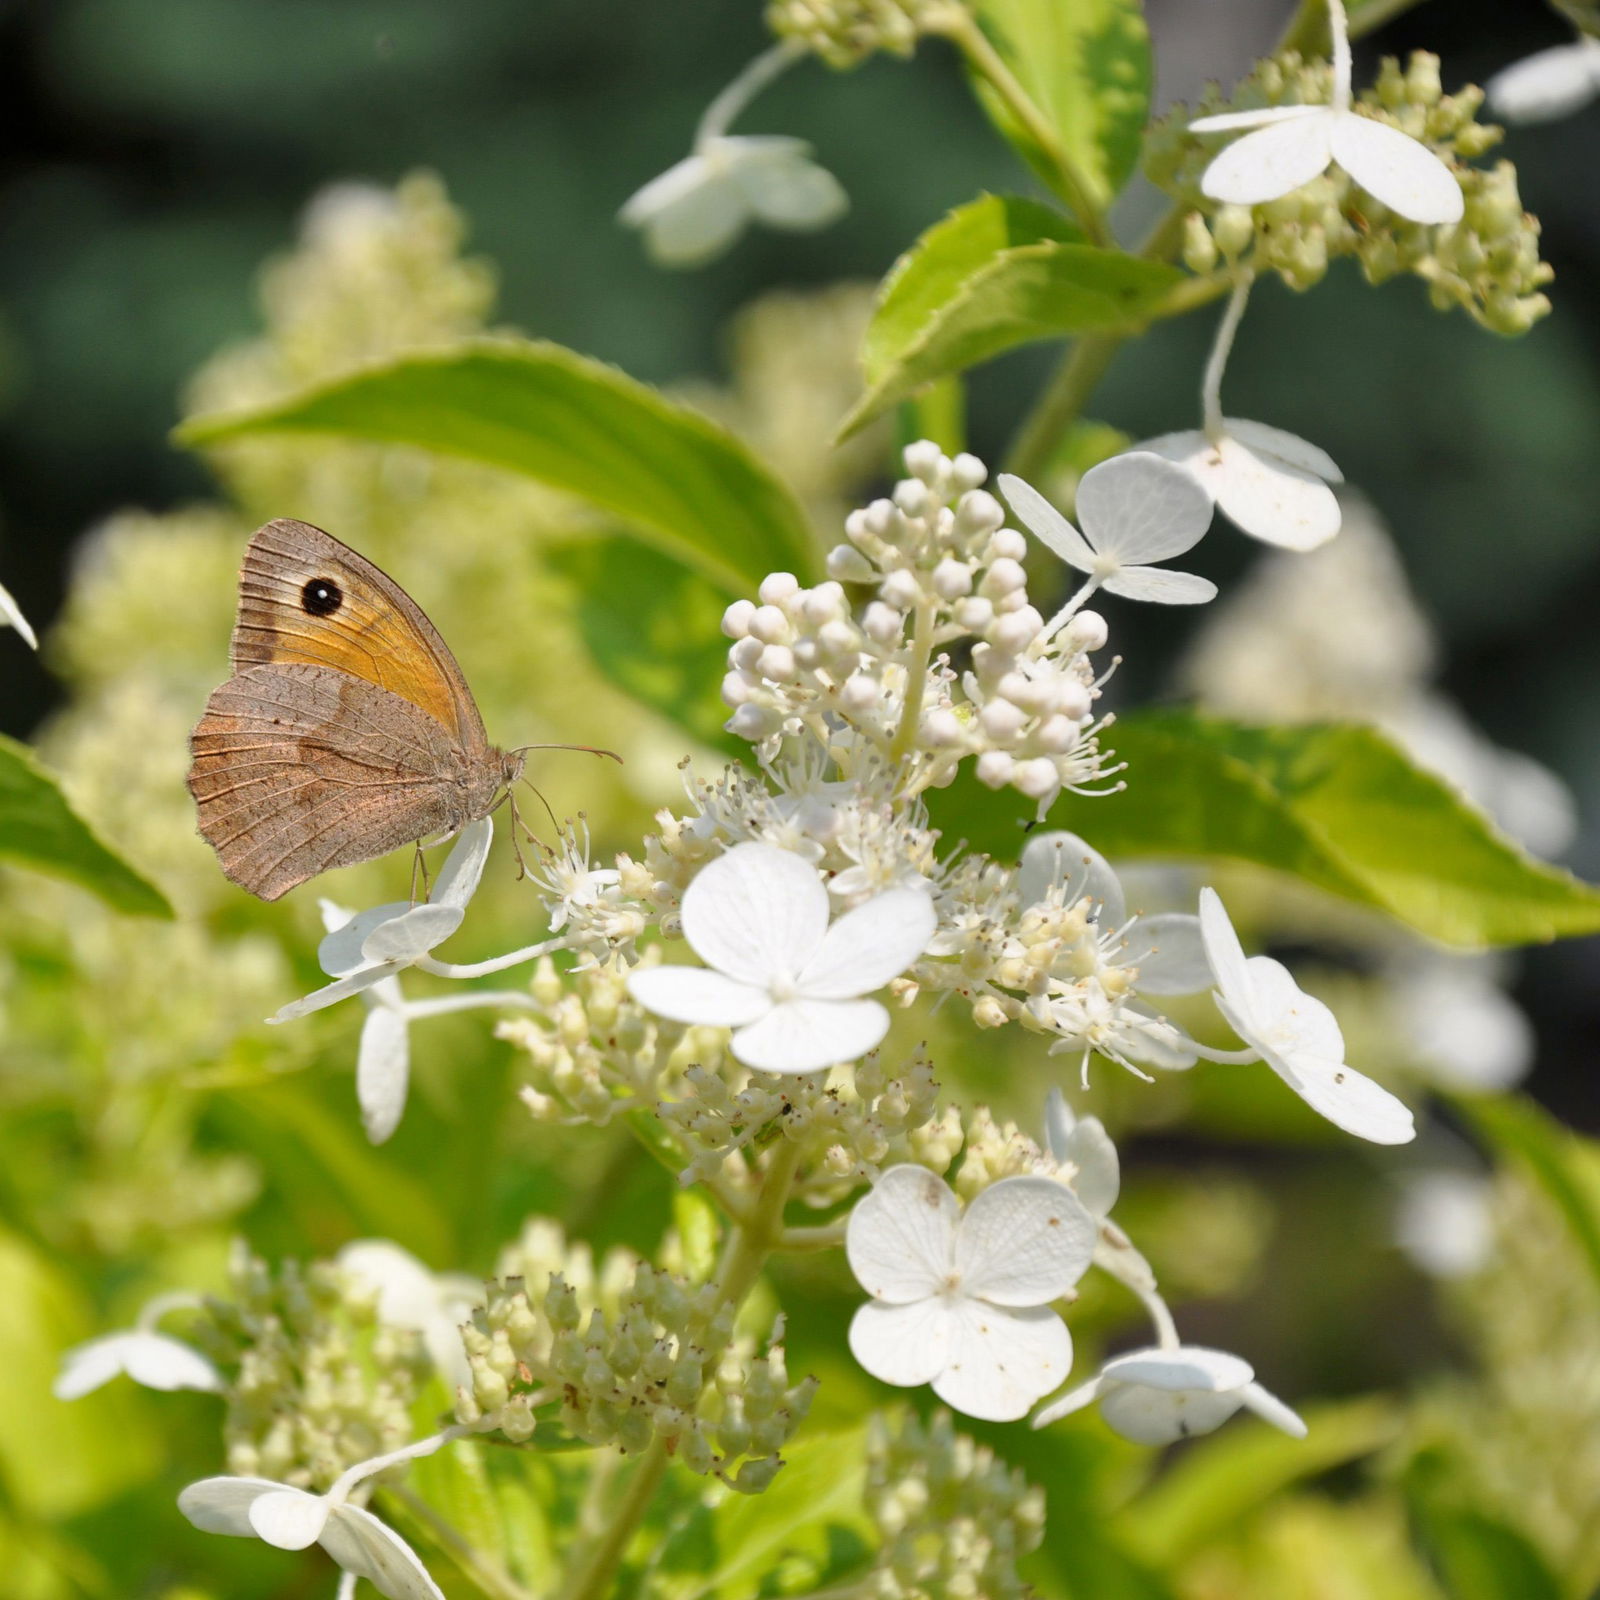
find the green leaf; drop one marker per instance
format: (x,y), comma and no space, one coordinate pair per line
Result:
(1035,291)
(1565,1165)
(1086,65)
(805,1531)
(39,829)
(652,626)
(1335,804)
(1222,1479)
(572,423)
(941,261)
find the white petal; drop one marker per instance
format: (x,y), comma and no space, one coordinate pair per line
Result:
(1272,162)
(289,1518)
(463,867)
(1288,1016)
(697,994)
(1271,500)
(1189,449)
(408,1294)
(11,612)
(664,191)
(1161,1416)
(900,1240)
(1548,84)
(1072,1400)
(808,1035)
(222,1505)
(1139,508)
(1289,448)
(756,913)
(1024,1242)
(1099,1173)
(902,1344)
(1189,1366)
(868,946)
(1266,117)
(1226,956)
(1163,587)
(1065,858)
(796,194)
(87,1367)
(1347,1098)
(1045,523)
(1396,169)
(383,1070)
(1271,1409)
(698,226)
(1169,953)
(1002,1361)
(414,934)
(339,954)
(1059,1121)
(1155,1042)
(361,1544)
(162,1363)
(332,993)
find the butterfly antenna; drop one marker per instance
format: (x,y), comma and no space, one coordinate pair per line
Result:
(585,749)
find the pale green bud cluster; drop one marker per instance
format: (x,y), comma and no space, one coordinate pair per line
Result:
(994,1150)
(317,1382)
(953,1518)
(845,32)
(852,1123)
(628,1362)
(594,1053)
(1488,263)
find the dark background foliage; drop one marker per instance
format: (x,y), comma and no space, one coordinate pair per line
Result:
(160,149)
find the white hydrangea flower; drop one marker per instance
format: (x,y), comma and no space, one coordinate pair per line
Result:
(11,613)
(410,1296)
(694,211)
(962,1300)
(1295,1035)
(149,1358)
(1135,509)
(1162,1394)
(792,987)
(1444,1222)
(292,1519)
(1269,483)
(1548,84)
(1294,144)
(1083,1144)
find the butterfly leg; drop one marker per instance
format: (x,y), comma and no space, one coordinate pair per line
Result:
(419,868)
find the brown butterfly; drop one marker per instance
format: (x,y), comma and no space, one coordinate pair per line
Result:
(346,729)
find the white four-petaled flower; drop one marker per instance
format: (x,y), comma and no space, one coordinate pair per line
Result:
(1296,1035)
(149,1358)
(1269,483)
(1135,509)
(292,1519)
(1159,1395)
(962,1300)
(1548,84)
(792,987)
(692,212)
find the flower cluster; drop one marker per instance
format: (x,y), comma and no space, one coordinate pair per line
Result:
(1487,262)
(632,1354)
(952,1517)
(845,32)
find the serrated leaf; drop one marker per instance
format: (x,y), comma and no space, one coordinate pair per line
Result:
(1086,65)
(39,829)
(570,422)
(1048,290)
(1335,804)
(936,266)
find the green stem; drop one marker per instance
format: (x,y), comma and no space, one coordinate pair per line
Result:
(1085,364)
(957,24)
(922,626)
(753,1241)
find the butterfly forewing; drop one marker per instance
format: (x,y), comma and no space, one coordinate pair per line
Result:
(305,597)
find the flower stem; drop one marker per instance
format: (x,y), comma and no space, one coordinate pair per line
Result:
(916,681)
(752,1242)
(768,65)
(957,24)
(1222,346)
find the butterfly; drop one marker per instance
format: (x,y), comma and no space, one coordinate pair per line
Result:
(346,730)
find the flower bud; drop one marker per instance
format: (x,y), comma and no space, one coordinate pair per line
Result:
(769,625)
(952,579)
(974,614)
(736,619)
(859,692)
(1002,721)
(967,472)
(777,587)
(1038,779)
(994,768)
(925,460)
(846,564)
(900,589)
(881,623)
(1087,631)
(776,662)
(912,497)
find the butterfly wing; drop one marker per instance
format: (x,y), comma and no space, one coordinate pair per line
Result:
(299,768)
(304,598)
